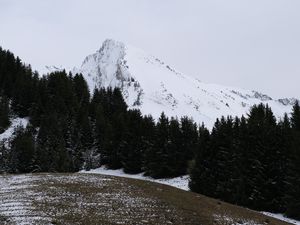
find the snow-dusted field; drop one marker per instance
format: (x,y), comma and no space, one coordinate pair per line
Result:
(178,182)
(17,197)
(89,199)
(63,199)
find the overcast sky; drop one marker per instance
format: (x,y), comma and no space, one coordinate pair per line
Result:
(253,44)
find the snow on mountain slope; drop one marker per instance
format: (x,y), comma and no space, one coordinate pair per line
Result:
(153,86)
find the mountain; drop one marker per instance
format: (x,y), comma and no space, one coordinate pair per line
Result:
(151,85)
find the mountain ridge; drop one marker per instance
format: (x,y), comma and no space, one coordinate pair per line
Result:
(153,86)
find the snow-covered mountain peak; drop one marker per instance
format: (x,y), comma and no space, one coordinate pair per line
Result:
(111,52)
(153,86)
(105,67)
(110,45)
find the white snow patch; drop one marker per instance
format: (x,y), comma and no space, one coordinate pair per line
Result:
(281,217)
(230,221)
(177,182)
(8,133)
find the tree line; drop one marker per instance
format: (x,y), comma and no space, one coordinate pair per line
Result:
(252,161)
(70,130)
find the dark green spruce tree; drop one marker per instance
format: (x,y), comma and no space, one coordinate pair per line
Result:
(148,140)
(22,152)
(132,144)
(156,160)
(225,161)
(262,159)
(189,140)
(202,180)
(176,161)
(4,114)
(293,195)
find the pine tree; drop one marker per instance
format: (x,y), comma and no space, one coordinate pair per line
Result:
(102,134)
(4,158)
(83,132)
(157,155)
(132,145)
(16,83)
(108,111)
(275,167)
(113,144)
(239,159)
(293,195)
(295,118)
(22,152)
(261,185)
(285,140)
(52,155)
(177,154)
(202,180)
(4,114)
(81,90)
(223,161)
(189,131)
(147,142)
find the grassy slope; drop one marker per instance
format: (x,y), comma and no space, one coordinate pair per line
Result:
(97,199)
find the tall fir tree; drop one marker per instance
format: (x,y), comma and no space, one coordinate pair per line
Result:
(202,180)
(132,144)
(4,113)
(157,155)
(189,140)
(148,139)
(293,195)
(261,123)
(177,154)
(22,152)
(52,154)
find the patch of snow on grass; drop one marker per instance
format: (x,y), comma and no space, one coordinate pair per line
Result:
(282,217)
(178,182)
(16,200)
(225,219)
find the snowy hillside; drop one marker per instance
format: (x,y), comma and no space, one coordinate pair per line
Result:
(153,86)
(178,182)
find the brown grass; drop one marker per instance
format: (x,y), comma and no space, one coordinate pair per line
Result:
(82,199)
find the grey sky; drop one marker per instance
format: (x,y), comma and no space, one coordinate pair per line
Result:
(254,44)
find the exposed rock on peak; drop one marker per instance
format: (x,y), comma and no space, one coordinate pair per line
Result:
(153,86)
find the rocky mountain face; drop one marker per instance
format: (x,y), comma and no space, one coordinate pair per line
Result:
(151,85)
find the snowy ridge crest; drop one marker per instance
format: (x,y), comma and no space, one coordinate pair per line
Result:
(153,86)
